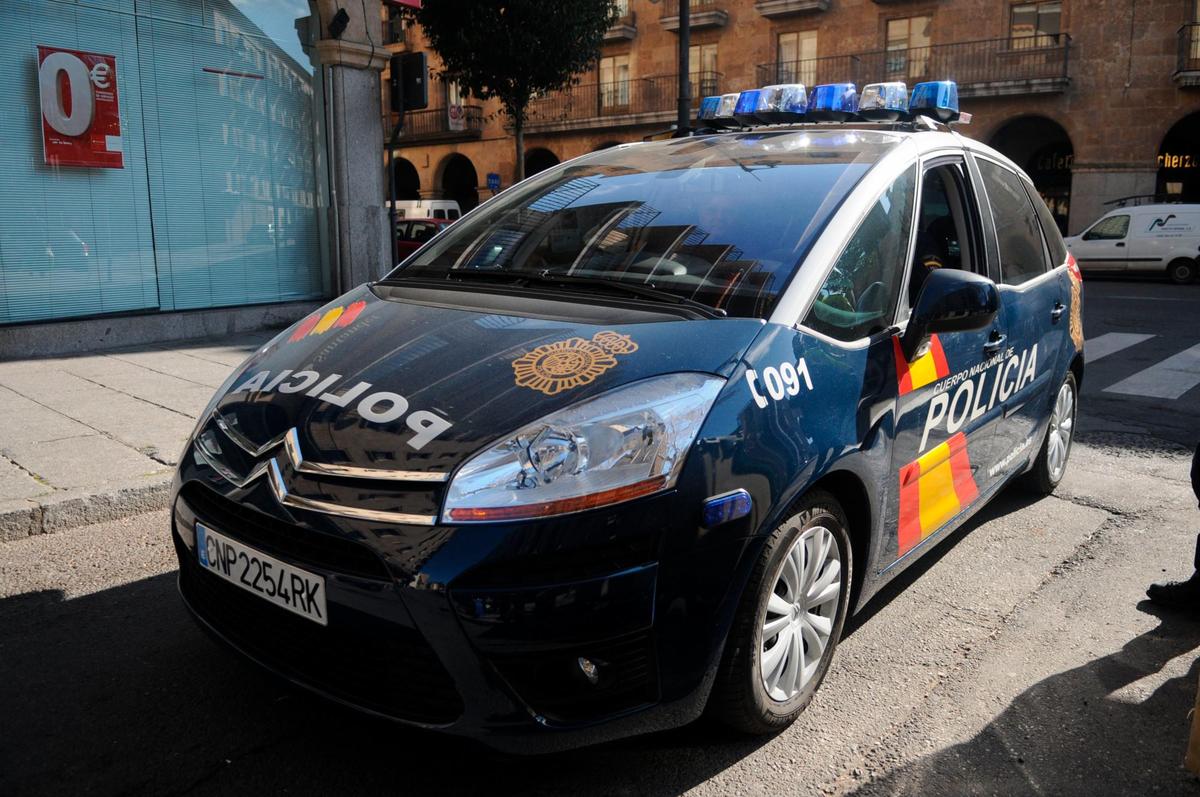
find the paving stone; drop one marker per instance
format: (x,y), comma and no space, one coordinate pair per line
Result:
(16,483)
(88,461)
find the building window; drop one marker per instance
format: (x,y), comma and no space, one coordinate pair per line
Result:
(394,29)
(702,68)
(614,81)
(1035,25)
(908,47)
(622,8)
(795,56)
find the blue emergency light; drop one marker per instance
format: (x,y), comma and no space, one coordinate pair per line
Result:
(708,108)
(937,99)
(725,108)
(747,104)
(885,102)
(833,102)
(786,102)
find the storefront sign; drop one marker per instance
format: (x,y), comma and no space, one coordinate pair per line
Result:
(81,122)
(1169,160)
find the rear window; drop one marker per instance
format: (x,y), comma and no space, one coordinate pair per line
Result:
(439,214)
(1022,255)
(722,220)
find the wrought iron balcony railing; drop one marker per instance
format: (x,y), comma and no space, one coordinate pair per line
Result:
(438,124)
(621,102)
(704,14)
(1187,68)
(990,67)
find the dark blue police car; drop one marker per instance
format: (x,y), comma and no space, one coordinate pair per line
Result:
(633,439)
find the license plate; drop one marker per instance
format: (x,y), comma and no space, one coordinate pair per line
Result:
(296,590)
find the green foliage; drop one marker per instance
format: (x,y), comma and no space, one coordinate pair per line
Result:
(513,49)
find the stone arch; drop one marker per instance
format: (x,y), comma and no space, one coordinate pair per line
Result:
(458,180)
(407,180)
(539,159)
(1042,147)
(1178,161)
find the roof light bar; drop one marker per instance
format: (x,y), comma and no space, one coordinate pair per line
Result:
(833,102)
(936,99)
(781,104)
(747,103)
(725,108)
(885,102)
(708,108)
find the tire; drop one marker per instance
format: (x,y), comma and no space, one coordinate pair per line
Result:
(740,696)
(1048,470)
(1182,271)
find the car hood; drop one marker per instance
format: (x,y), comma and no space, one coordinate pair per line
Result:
(385,384)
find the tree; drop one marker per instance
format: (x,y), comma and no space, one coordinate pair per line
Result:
(514,49)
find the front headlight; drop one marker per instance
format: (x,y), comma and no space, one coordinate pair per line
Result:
(623,444)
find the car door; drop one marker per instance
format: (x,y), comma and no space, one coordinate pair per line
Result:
(945,416)
(1105,245)
(1035,317)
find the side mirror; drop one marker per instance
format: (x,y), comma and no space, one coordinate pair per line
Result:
(950,301)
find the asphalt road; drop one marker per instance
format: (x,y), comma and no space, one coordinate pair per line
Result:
(1017,658)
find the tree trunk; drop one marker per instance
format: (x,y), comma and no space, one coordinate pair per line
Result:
(519,128)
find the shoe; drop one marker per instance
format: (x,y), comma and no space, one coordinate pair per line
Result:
(1184,595)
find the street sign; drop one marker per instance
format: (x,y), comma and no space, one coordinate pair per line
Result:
(493,181)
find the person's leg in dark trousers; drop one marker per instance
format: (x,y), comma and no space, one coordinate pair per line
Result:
(1183,594)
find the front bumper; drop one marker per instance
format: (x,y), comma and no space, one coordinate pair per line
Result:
(478,630)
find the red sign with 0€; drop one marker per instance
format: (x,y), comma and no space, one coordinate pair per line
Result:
(81,121)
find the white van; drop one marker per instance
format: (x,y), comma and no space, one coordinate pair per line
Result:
(427,209)
(1146,238)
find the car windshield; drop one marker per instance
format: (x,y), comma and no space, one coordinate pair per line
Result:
(720,220)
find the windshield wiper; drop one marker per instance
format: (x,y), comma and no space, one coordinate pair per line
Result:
(547,277)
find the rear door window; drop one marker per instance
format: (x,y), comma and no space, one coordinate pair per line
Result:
(1022,254)
(439,214)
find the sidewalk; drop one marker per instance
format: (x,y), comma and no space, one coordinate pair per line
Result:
(96,436)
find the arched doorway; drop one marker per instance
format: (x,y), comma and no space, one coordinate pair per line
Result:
(459,181)
(1043,149)
(539,160)
(408,182)
(1179,161)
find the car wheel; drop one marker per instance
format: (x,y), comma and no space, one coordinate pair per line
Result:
(1182,271)
(789,621)
(1051,464)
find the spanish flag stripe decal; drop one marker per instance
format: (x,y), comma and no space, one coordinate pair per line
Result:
(933,489)
(926,369)
(327,320)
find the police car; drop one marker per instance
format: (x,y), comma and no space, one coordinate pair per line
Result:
(632,440)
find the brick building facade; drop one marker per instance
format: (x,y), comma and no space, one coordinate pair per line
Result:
(1098,100)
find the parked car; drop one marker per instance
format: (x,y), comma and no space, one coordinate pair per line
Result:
(427,209)
(1142,239)
(635,439)
(412,234)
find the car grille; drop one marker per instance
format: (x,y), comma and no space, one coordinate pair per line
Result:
(552,684)
(280,538)
(357,658)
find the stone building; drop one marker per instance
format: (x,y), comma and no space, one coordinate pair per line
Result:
(1098,100)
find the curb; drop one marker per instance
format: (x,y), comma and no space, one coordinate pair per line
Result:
(71,509)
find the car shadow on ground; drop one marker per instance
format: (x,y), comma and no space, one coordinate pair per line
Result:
(1093,724)
(119,692)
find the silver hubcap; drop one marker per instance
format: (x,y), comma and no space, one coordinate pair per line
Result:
(800,613)
(1062,424)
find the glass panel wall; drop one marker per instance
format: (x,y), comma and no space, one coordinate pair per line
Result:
(196,182)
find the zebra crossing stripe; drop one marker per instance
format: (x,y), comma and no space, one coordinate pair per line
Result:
(1111,343)
(1168,379)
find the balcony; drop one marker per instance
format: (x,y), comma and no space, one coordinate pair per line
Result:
(624,29)
(624,103)
(987,68)
(774,9)
(704,14)
(1187,68)
(434,124)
